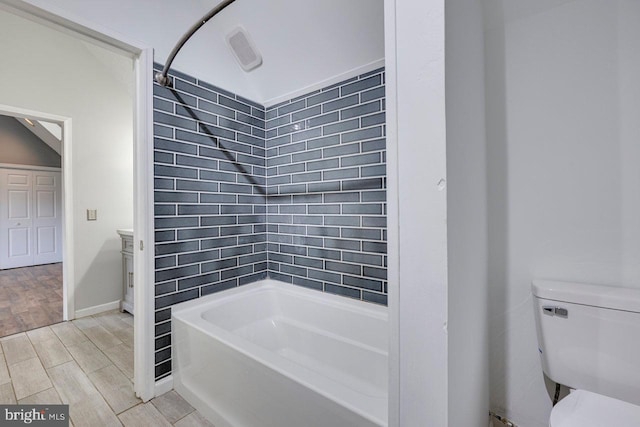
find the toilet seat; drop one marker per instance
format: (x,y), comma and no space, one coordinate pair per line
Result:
(585,409)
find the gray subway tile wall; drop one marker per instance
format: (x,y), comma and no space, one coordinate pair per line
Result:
(295,192)
(210,204)
(331,144)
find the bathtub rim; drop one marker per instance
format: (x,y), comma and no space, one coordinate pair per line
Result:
(189,313)
(352,304)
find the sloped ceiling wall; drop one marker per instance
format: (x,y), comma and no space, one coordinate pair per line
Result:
(22,147)
(303,42)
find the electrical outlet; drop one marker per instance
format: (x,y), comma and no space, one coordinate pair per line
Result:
(92,214)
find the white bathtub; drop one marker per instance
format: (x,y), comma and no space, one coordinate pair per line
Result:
(271,354)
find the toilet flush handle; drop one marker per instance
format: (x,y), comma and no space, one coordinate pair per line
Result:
(555,311)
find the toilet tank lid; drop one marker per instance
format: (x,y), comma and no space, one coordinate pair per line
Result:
(612,297)
(585,409)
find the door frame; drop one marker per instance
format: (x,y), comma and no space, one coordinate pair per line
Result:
(142,55)
(68,306)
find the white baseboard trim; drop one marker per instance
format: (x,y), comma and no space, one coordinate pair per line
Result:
(164,385)
(113,305)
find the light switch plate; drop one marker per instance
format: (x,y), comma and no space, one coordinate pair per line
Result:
(92,214)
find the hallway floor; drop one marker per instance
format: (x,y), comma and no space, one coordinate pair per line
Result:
(88,364)
(30,297)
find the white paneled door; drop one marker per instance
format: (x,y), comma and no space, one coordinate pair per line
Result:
(17,218)
(30,217)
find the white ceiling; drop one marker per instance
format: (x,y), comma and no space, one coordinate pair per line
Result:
(303,42)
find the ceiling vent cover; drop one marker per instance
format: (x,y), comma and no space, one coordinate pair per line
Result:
(244,49)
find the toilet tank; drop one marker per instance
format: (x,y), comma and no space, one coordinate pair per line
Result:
(589,336)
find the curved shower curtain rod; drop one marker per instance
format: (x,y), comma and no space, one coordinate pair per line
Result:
(162,77)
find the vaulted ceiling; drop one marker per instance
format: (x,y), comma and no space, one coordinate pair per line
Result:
(303,42)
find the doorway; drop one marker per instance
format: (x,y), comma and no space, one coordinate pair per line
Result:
(31,219)
(85,293)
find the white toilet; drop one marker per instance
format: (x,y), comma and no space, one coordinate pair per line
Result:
(589,340)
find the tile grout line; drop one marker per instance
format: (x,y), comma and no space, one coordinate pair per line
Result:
(46,371)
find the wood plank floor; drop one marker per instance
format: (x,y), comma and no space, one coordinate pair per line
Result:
(73,363)
(30,297)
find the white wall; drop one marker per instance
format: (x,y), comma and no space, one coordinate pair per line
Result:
(303,42)
(416,145)
(563,101)
(437,213)
(468,353)
(51,72)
